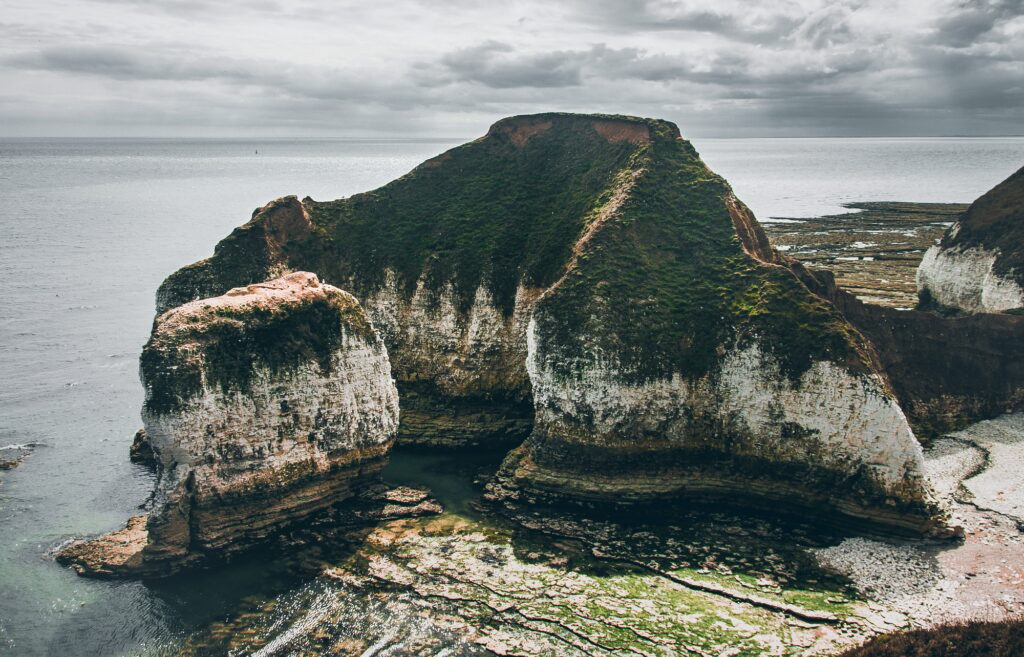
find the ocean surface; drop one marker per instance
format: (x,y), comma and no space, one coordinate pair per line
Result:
(89,228)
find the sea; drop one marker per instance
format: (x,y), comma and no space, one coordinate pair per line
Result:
(90,227)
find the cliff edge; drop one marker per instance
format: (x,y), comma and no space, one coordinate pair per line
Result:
(978,267)
(263,406)
(588,275)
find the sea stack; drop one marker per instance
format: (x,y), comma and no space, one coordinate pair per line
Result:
(588,275)
(978,267)
(263,406)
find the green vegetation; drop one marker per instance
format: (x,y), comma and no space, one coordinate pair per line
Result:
(223,346)
(487,212)
(665,281)
(633,227)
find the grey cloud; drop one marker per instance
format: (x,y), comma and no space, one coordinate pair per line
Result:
(127,64)
(497,65)
(719,67)
(974,19)
(500,66)
(652,15)
(829,26)
(173,65)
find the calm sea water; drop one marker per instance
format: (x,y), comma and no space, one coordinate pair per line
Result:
(89,228)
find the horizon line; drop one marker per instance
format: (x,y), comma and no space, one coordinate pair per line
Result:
(464,138)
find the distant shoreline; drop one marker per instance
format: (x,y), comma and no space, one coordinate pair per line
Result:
(873,251)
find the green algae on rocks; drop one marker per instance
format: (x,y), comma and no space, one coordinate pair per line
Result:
(595,266)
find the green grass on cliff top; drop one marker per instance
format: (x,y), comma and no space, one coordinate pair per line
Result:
(223,347)
(661,283)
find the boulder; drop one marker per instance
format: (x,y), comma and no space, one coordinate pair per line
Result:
(141,451)
(263,407)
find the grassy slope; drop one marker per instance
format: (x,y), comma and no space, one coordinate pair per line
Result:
(665,281)
(996,221)
(487,212)
(662,282)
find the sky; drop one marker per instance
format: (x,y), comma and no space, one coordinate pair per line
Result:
(449,68)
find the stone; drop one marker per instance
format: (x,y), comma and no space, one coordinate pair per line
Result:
(588,275)
(264,406)
(141,451)
(978,266)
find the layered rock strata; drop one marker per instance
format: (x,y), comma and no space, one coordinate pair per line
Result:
(596,264)
(978,267)
(263,407)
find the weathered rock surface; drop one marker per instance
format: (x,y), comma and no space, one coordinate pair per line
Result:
(597,263)
(946,371)
(141,451)
(263,406)
(978,267)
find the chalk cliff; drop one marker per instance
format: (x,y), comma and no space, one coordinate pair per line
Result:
(589,273)
(978,267)
(263,406)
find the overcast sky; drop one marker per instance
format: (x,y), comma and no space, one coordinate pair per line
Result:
(451,67)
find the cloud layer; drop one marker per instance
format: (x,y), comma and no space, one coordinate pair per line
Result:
(450,67)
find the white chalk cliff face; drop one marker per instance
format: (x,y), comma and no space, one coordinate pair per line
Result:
(978,267)
(833,440)
(479,352)
(670,349)
(462,374)
(263,406)
(965,280)
(840,425)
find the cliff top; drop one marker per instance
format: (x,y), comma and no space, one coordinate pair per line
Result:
(613,127)
(618,212)
(995,221)
(277,324)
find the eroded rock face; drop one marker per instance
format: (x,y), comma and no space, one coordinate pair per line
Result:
(448,262)
(978,267)
(596,264)
(946,371)
(263,406)
(681,356)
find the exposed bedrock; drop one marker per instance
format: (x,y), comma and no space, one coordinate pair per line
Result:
(947,372)
(594,266)
(263,406)
(978,267)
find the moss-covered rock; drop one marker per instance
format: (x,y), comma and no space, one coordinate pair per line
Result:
(263,406)
(596,263)
(978,267)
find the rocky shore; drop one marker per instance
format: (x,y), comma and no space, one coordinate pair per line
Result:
(529,582)
(701,444)
(873,251)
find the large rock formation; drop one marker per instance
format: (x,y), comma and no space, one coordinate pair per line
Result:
(263,406)
(947,372)
(978,267)
(597,263)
